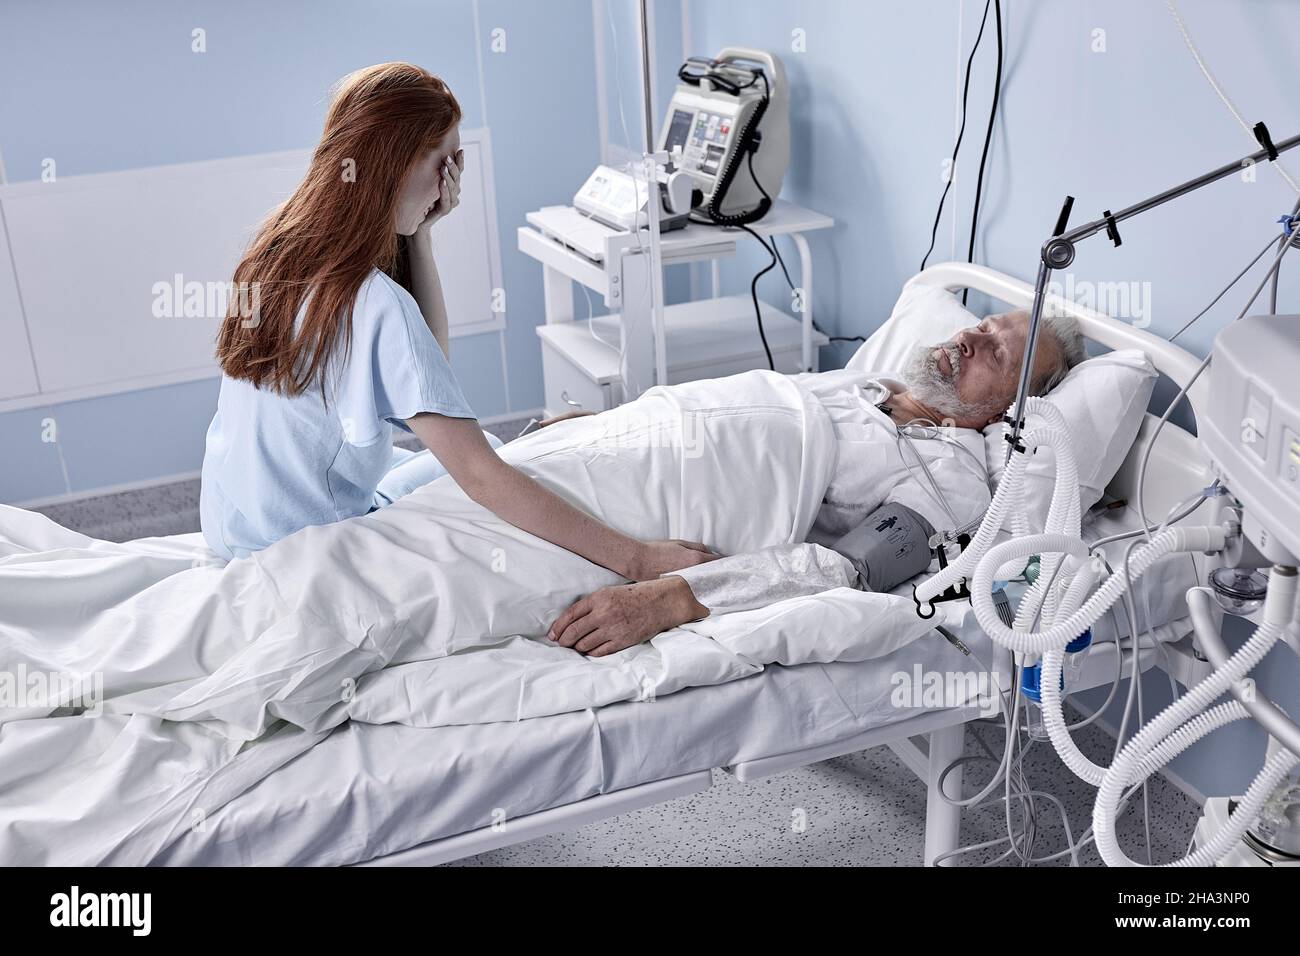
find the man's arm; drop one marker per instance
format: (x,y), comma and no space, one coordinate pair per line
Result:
(616,618)
(887,548)
(744,581)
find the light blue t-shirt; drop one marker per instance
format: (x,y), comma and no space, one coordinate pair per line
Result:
(276,464)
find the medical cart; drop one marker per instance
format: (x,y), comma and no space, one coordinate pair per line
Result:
(585,362)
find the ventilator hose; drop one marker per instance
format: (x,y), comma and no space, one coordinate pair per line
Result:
(1149,749)
(1061,632)
(1050,685)
(1054,432)
(984,537)
(1135,767)
(1072,619)
(1062,518)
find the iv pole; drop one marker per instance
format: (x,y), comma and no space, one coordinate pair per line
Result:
(650,167)
(1058,252)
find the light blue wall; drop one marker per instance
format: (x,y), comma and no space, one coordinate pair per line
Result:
(874,103)
(102,87)
(874,113)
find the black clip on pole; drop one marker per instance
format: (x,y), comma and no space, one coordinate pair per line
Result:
(1112,230)
(1059,253)
(1265,140)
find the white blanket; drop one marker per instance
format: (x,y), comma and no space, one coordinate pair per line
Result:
(429,612)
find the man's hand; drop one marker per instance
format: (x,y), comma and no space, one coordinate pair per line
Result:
(615,618)
(654,558)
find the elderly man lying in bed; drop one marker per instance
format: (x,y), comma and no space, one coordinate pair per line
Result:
(910,464)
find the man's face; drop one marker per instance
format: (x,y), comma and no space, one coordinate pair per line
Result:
(972,378)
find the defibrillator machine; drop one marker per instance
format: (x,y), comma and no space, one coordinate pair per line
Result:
(727,130)
(730,117)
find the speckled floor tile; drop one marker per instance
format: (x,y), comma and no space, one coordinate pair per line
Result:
(864,809)
(143,513)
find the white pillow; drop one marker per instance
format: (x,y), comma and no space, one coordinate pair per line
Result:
(1103,399)
(923,315)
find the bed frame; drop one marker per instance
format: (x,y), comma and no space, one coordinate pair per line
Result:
(929,742)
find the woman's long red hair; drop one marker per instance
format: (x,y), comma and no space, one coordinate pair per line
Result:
(337,226)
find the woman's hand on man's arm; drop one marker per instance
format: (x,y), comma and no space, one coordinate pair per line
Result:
(458,443)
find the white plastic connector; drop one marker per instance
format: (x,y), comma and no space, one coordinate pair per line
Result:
(1279,601)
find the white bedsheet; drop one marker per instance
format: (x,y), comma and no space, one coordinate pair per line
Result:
(373,789)
(419,624)
(426,613)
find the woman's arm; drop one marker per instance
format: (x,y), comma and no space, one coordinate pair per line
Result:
(514,497)
(426,287)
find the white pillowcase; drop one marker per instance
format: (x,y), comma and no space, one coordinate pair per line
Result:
(923,315)
(1103,399)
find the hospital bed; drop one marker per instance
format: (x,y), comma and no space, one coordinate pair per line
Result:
(390,794)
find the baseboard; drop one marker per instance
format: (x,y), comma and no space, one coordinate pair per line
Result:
(100,492)
(106,490)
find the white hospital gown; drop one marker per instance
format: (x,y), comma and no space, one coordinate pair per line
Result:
(871,469)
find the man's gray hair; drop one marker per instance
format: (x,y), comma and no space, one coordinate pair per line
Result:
(1070,351)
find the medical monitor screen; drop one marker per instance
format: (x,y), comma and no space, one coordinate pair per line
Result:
(678,129)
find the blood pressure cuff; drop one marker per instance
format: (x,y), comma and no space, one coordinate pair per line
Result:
(891,545)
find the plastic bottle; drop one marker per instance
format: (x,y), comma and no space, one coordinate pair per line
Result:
(1075,654)
(1030,688)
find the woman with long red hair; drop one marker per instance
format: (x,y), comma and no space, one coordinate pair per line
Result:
(349,337)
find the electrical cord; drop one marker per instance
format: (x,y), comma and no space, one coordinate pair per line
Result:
(776,250)
(748,139)
(1019,843)
(988,139)
(753,294)
(1224,291)
(961,131)
(1200,499)
(771,251)
(1289,234)
(753,285)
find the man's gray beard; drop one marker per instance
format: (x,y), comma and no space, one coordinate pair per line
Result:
(933,387)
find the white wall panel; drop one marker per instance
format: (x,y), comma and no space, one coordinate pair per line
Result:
(17,371)
(90,251)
